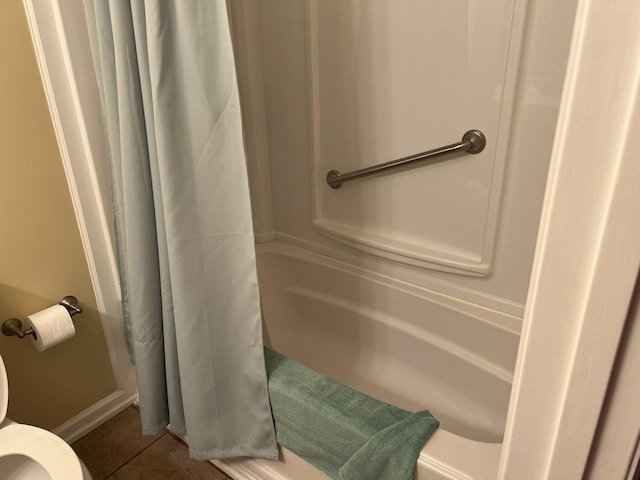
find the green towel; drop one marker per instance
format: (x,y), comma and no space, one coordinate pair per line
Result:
(342,432)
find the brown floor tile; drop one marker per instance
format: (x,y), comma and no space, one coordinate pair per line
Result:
(167,459)
(113,444)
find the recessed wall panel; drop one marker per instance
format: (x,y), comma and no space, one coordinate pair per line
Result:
(393,78)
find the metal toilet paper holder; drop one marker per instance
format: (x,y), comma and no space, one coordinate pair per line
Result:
(13,326)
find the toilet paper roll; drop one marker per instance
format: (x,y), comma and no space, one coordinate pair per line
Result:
(51,325)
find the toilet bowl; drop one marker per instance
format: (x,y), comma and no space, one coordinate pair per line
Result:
(28,452)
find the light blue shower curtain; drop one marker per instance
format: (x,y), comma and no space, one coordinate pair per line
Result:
(167,81)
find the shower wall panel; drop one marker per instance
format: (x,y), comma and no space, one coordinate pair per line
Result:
(391,79)
(348,84)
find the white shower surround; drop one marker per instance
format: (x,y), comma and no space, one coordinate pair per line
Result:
(389,79)
(299,156)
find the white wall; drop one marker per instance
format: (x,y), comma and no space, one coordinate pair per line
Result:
(542,60)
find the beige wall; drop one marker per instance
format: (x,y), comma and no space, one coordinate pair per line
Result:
(41,254)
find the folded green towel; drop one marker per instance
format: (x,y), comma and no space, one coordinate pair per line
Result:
(342,432)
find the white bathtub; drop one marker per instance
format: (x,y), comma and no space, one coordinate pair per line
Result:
(405,345)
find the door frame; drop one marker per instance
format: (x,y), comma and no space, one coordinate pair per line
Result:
(81,142)
(587,256)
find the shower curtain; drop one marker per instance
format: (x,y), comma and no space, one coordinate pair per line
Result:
(166,77)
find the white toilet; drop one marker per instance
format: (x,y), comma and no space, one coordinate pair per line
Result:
(31,453)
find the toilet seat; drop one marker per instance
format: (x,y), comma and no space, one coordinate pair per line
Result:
(52,453)
(28,452)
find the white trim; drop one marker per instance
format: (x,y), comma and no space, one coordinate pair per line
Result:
(81,143)
(94,416)
(615,452)
(588,252)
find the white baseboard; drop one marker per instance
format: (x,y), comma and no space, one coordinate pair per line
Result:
(94,416)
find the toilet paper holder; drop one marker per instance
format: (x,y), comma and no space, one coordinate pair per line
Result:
(13,326)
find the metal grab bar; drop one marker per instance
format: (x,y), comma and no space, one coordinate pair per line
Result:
(472,141)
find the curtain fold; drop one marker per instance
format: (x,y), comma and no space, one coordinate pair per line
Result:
(184,235)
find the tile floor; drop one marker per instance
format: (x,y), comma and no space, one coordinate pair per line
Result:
(117,450)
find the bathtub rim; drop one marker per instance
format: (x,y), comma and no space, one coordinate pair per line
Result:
(511,323)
